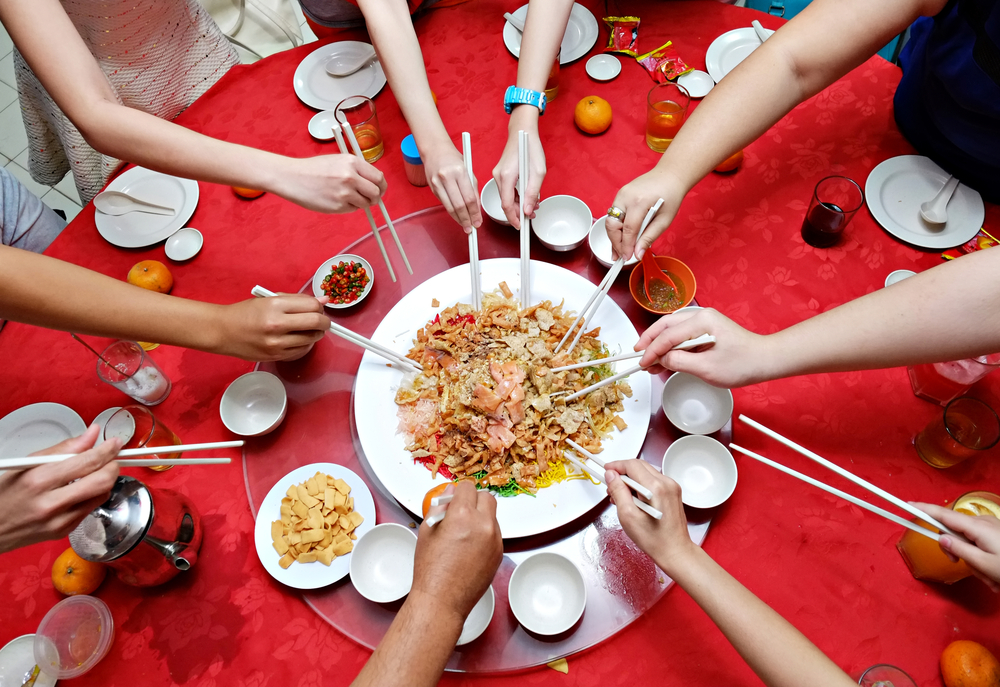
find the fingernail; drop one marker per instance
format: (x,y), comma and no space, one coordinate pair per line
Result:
(467,230)
(609,476)
(639,253)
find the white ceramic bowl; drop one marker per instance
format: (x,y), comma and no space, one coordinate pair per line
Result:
(697,83)
(254,404)
(603,67)
(694,406)
(898,276)
(184,244)
(490,200)
(479,618)
(600,244)
(382,563)
(547,593)
(326,267)
(703,467)
(321,125)
(562,222)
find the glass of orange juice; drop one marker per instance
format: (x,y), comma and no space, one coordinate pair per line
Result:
(137,427)
(966,427)
(666,107)
(925,558)
(552,83)
(360,114)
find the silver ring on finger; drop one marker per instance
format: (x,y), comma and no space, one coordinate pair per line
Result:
(616,213)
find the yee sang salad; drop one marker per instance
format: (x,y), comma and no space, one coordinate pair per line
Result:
(487,405)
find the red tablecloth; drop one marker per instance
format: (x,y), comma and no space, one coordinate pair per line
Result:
(827,566)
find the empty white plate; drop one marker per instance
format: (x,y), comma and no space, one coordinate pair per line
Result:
(184,244)
(729,49)
(547,593)
(603,67)
(704,469)
(321,125)
(579,38)
(319,90)
(697,83)
(694,406)
(37,426)
(140,229)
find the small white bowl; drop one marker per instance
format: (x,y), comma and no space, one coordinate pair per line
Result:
(479,617)
(254,404)
(697,83)
(694,406)
(547,593)
(325,269)
(382,563)
(703,467)
(490,200)
(603,67)
(600,244)
(321,125)
(184,244)
(562,223)
(898,276)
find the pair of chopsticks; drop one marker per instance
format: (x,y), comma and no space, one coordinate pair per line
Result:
(35,461)
(599,476)
(682,346)
(338,128)
(477,284)
(522,185)
(357,339)
(912,510)
(602,290)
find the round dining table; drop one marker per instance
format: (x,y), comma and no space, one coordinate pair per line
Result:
(829,567)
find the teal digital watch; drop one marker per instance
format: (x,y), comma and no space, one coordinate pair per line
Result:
(523,96)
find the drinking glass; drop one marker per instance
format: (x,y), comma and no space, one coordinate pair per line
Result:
(667,104)
(552,83)
(884,675)
(360,114)
(833,204)
(966,427)
(924,557)
(137,427)
(133,372)
(943,382)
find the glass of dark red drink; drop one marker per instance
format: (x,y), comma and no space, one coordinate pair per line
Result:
(833,204)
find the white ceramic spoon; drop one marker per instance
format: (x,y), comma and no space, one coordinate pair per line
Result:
(515,22)
(348,64)
(118,203)
(762,33)
(935,210)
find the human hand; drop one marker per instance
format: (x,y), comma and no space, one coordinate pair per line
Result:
(461,553)
(506,175)
(329,183)
(666,540)
(635,199)
(982,555)
(49,501)
(450,183)
(284,327)
(737,358)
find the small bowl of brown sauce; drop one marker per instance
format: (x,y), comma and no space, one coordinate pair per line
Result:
(665,300)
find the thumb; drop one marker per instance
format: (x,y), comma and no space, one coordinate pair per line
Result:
(617,489)
(641,246)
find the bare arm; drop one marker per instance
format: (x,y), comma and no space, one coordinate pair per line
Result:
(391,29)
(53,48)
(805,56)
(258,329)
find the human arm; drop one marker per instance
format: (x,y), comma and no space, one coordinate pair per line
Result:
(798,61)
(32,289)
(982,552)
(49,501)
(539,46)
(391,29)
(56,53)
(778,653)
(455,563)
(949,312)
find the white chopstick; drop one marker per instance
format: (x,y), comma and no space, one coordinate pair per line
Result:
(837,492)
(151,463)
(642,491)
(441,500)
(912,510)
(522,185)
(609,279)
(381,206)
(34,461)
(339,135)
(645,507)
(435,519)
(477,286)
(354,338)
(603,382)
(682,346)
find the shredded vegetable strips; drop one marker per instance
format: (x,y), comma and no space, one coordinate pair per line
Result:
(487,406)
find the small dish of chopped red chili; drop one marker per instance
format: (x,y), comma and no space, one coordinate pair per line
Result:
(344,279)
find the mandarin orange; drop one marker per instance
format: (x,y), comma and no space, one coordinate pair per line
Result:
(74,575)
(436,491)
(152,275)
(592,115)
(731,163)
(969,664)
(247,193)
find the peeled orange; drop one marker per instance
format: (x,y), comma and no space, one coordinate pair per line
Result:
(152,275)
(74,575)
(731,163)
(969,664)
(592,115)
(248,193)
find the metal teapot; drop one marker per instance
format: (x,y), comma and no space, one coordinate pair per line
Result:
(145,535)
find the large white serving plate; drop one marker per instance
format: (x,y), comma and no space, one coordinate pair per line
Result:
(376,384)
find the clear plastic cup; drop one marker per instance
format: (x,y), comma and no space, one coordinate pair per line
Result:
(73,637)
(133,372)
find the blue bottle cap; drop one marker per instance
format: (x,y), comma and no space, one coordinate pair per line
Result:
(410,152)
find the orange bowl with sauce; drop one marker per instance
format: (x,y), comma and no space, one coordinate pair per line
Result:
(678,271)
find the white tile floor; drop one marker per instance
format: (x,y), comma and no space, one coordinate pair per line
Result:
(14,142)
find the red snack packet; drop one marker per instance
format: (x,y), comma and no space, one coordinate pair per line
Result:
(978,242)
(663,64)
(624,36)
